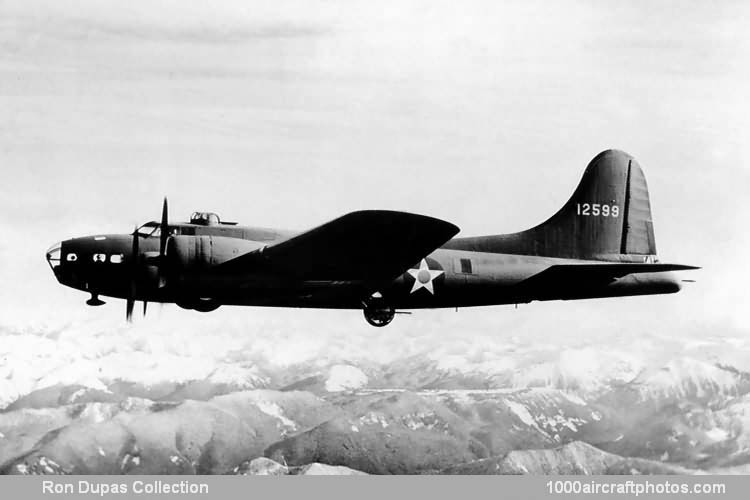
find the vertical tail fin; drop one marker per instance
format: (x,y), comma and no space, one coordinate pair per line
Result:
(607,218)
(609,214)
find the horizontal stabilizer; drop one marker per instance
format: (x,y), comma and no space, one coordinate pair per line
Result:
(620,269)
(366,246)
(571,276)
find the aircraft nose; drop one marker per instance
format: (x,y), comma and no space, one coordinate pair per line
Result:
(54,254)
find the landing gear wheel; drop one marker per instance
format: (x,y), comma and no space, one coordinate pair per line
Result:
(199,304)
(379,316)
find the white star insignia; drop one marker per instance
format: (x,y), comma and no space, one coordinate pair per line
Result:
(423,277)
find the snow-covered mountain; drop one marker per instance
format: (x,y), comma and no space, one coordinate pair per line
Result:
(142,436)
(83,399)
(572,458)
(688,378)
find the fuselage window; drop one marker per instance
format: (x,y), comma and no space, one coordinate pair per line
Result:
(116,258)
(466,266)
(71,257)
(100,257)
(54,256)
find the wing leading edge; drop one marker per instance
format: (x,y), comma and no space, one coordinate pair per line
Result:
(366,246)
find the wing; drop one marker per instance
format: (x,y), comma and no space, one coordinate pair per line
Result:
(367,246)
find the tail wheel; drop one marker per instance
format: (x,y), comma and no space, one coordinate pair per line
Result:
(379,316)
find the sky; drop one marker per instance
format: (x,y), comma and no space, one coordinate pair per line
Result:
(288,114)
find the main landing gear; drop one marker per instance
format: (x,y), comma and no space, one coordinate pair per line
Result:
(199,304)
(379,316)
(377,312)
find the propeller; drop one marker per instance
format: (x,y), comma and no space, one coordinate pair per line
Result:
(164,233)
(157,261)
(130,303)
(163,237)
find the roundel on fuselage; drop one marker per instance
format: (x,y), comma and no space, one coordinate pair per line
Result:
(425,275)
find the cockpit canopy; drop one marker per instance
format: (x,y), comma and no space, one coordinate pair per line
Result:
(152,229)
(205,219)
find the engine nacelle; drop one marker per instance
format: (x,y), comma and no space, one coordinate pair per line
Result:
(193,254)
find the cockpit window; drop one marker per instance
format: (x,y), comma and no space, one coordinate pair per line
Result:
(149,229)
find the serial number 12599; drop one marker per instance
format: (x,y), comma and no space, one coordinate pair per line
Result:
(597,209)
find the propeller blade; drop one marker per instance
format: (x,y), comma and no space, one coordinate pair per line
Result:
(164,234)
(163,239)
(130,303)
(129,310)
(135,248)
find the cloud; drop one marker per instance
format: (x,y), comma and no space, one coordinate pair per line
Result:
(220,22)
(218,34)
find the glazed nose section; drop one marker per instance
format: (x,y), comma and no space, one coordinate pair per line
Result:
(54,254)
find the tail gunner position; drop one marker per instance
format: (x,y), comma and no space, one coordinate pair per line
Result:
(600,244)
